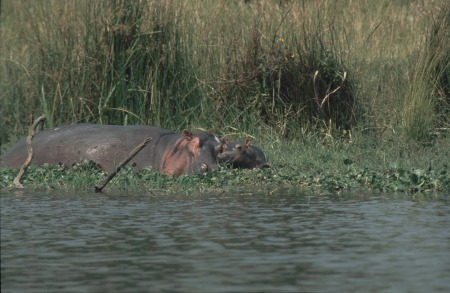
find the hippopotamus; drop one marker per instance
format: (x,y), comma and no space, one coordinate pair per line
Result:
(107,145)
(242,155)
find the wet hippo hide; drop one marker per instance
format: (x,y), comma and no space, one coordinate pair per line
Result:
(242,155)
(108,145)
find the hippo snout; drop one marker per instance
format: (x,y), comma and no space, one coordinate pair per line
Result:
(224,157)
(264,166)
(201,167)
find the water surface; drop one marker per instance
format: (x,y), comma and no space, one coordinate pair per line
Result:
(286,242)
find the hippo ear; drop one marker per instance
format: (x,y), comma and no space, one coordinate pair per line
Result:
(220,148)
(224,140)
(187,134)
(247,142)
(194,145)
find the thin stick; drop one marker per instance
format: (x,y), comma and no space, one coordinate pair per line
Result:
(335,90)
(130,156)
(31,133)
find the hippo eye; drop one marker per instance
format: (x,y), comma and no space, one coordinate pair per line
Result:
(238,147)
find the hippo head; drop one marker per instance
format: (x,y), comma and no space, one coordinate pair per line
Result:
(204,148)
(243,155)
(193,154)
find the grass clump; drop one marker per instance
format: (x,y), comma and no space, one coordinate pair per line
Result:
(427,102)
(301,83)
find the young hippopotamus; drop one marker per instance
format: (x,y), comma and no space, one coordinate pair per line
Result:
(242,155)
(107,145)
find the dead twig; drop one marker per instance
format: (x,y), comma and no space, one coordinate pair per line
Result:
(31,133)
(332,92)
(111,175)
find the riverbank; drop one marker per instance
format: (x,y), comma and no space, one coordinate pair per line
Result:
(357,163)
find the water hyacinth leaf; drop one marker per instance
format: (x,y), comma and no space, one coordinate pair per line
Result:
(393,165)
(418,172)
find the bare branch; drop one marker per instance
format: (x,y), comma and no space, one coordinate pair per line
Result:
(31,133)
(124,162)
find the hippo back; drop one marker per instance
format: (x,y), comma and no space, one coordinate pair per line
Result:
(106,145)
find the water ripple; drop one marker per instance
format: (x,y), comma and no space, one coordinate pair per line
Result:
(284,243)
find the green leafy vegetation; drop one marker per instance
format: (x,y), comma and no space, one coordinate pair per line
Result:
(232,180)
(334,166)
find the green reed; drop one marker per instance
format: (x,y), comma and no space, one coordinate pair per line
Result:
(269,68)
(427,102)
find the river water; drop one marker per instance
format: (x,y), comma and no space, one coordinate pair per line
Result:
(285,242)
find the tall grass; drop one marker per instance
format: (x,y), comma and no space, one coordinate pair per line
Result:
(265,67)
(427,102)
(110,62)
(291,82)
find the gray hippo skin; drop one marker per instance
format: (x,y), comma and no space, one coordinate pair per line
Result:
(107,145)
(242,155)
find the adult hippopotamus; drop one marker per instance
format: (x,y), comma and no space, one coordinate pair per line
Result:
(242,155)
(107,145)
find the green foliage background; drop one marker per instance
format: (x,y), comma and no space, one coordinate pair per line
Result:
(285,67)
